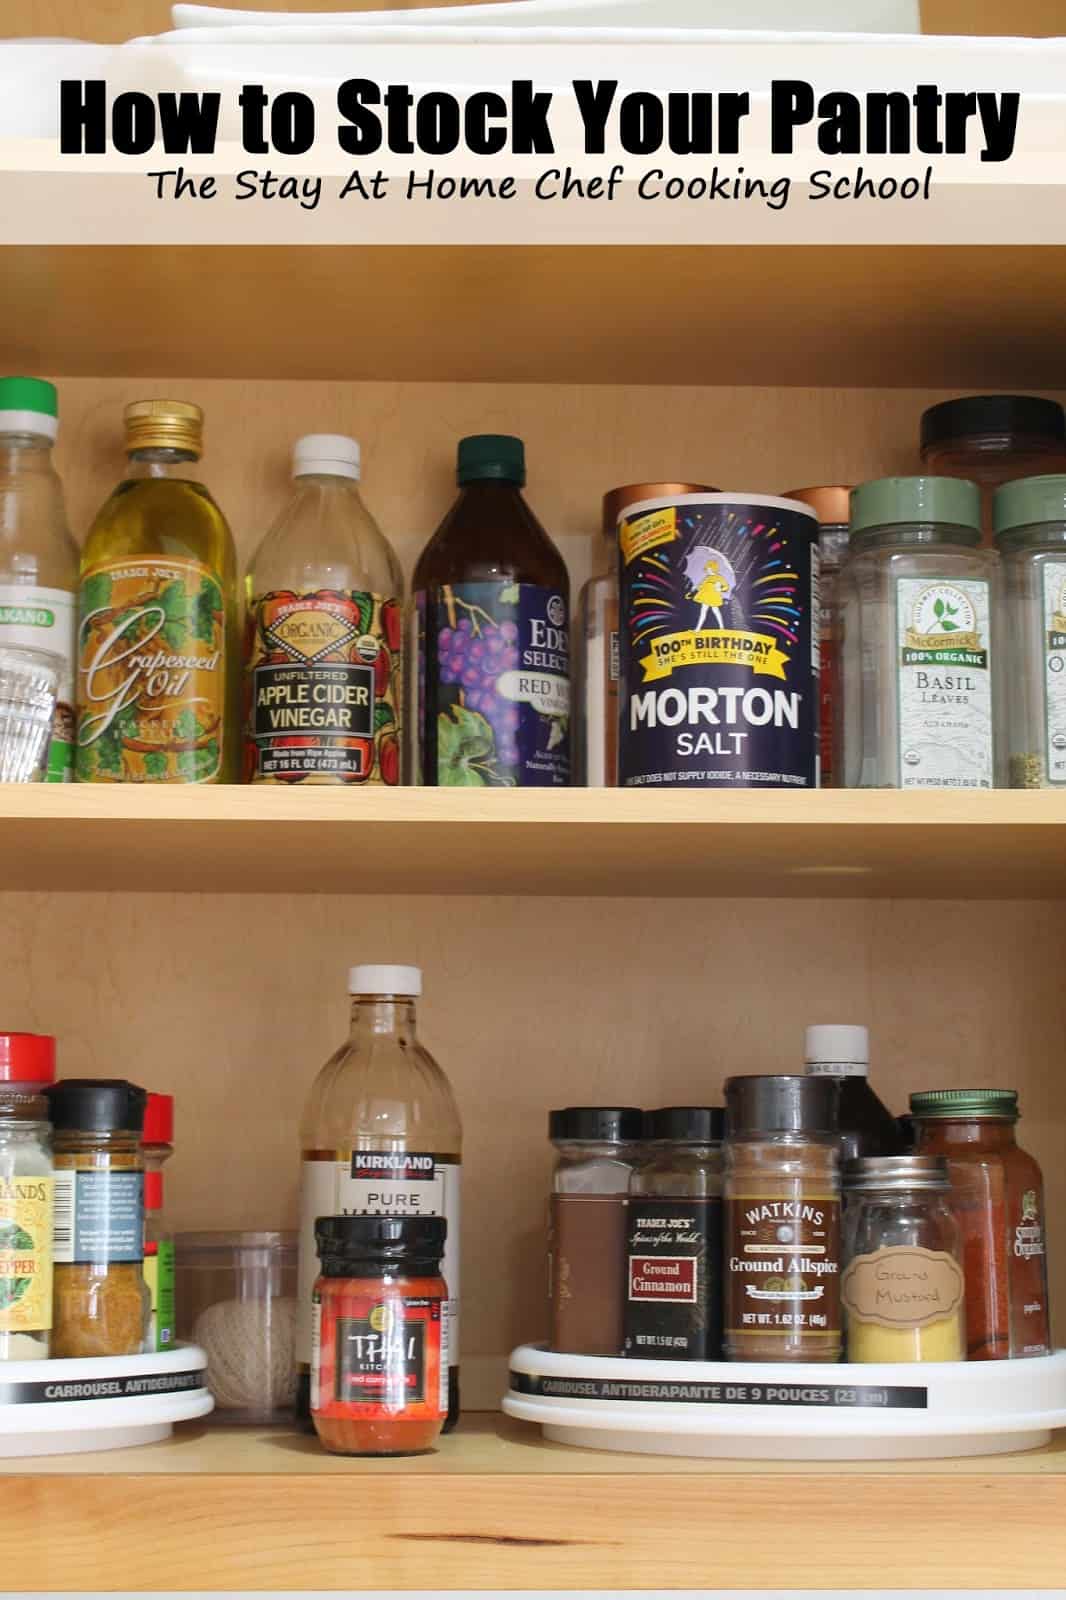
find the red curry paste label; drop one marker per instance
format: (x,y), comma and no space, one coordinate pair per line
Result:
(375,1355)
(324,686)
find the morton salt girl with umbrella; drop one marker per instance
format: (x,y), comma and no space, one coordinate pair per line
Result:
(719,642)
(157,648)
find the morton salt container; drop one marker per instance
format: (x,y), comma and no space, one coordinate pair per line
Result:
(719,642)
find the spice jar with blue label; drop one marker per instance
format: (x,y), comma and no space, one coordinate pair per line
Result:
(102,1304)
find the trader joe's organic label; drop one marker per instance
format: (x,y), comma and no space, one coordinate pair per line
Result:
(151,673)
(324,687)
(26,1254)
(944,683)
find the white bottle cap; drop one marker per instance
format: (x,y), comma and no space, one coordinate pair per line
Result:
(385,980)
(843,1045)
(331,453)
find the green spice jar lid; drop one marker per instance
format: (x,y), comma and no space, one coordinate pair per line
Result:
(957,1103)
(954,502)
(1028,501)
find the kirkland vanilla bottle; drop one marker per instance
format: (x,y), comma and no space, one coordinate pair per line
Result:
(158,654)
(38,557)
(380,1136)
(323,640)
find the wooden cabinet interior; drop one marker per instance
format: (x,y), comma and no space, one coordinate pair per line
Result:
(233,1001)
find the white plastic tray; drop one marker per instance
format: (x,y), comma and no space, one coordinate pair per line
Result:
(802,1412)
(61,1407)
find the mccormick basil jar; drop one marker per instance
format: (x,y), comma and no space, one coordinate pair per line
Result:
(719,642)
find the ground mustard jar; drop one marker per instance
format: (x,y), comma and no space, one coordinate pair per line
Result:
(1030,522)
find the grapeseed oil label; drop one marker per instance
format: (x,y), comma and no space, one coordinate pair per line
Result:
(46,619)
(494,685)
(323,687)
(151,673)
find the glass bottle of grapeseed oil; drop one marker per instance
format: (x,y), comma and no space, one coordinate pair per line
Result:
(490,635)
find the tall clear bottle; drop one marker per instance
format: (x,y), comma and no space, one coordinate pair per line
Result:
(158,644)
(380,1136)
(491,638)
(38,556)
(921,636)
(324,633)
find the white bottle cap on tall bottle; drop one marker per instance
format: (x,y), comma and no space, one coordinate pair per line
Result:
(331,453)
(838,1048)
(385,980)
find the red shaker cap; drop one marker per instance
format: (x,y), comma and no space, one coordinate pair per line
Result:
(27,1058)
(159,1120)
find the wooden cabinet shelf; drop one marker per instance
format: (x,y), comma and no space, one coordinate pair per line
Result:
(639,315)
(498,1508)
(867,844)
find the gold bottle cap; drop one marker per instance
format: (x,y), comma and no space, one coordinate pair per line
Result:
(164,425)
(828,501)
(616,500)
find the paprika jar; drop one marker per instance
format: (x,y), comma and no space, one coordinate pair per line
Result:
(997,1195)
(379,1343)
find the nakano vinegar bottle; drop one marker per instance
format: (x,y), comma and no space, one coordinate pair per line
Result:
(158,666)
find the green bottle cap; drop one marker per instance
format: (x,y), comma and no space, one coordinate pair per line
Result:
(491,455)
(30,397)
(1029,500)
(961,1103)
(954,501)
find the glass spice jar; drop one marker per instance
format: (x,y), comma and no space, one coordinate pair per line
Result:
(673,1288)
(991,439)
(102,1304)
(596,1151)
(902,1289)
(379,1342)
(920,667)
(998,1198)
(1030,519)
(782,1220)
(27,1066)
(831,505)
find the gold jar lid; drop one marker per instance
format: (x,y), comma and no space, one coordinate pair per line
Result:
(164,425)
(828,501)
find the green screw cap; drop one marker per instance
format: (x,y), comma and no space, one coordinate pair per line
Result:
(953,501)
(491,455)
(961,1103)
(1028,501)
(29,394)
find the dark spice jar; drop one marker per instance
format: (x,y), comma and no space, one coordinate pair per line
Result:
(596,1151)
(379,1341)
(673,1289)
(782,1220)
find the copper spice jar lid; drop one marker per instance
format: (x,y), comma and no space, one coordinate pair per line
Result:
(829,501)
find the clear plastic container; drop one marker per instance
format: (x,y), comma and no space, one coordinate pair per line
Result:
(1031,534)
(29,681)
(992,439)
(236,1298)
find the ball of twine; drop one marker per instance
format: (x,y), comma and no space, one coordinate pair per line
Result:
(251,1353)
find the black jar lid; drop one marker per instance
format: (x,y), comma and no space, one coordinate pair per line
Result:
(596,1124)
(686,1124)
(349,1245)
(993,413)
(781,1104)
(96,1105)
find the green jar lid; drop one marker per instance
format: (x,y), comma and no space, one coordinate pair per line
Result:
(31,396)
(1028,501)
(953,501)
(961,1103)
(491,455)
